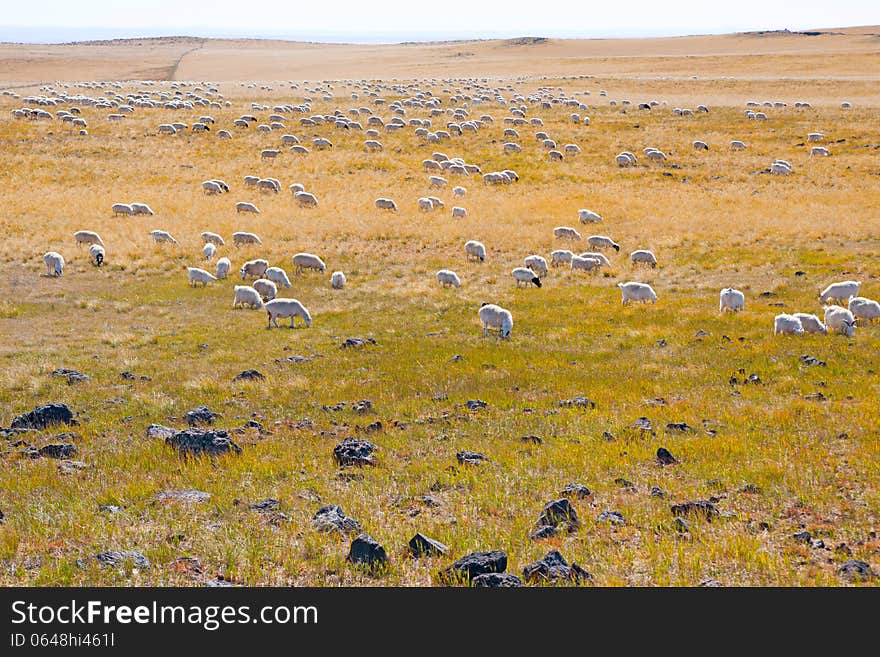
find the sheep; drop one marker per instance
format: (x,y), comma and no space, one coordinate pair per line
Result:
(167,129)
(633,291)
(840,291)
(737,145)
(589,217)
(141,208)
(162,237)
(448,278)
(212,238)
(566,233)
(300,149)
(598,256)
(372,146)
(603,242)
(286,308)
(581,263)
(561,257)
(223,267)
(386,204)
(54,263)
(700,146)
(337,280)
(510,147)
(811,323)
(425,204)
(251,181)
(431,165)
(224,134)
(437,181)
(815,136)
(296,187)
(643,256)
(122,208)
(209,251)
(846,105)
(289,140)
(241,237)
(459,191)
(306,199)
(787,325)
(656,155)
(475,249)
(571,149)
(269,154)
(87,237)
(820,151)
(211,187)
(555,156)
(269,185)
(278,276)
(864,308)
(245,295)
(459,212)
(731,299)
(840,319)
(242,206)
(495,317)
(625,160)
(303,261)
(97,254)
(197,276)
(255,268)
(266,288)
(537,264)
(321,143)
(525,275)
(780,168)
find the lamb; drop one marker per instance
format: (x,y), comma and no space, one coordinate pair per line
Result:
(241,237)
(266,288)
(787,325)
(864,308)
(587,264)
(286,308)
(212,238)
(245,295)
(97,254)
(197,276)
(561,257)
(602,242)
(495,317)
(811,323)
(448,278)
(475,249)
(589,217)
(731,299)
(141,208)
(459,212)
(633,291)
(337,280)
(87,237)
(306,199)
(223,267)
(566,233)
(122,208)
(209,251)
(525,275)
(242,206)
(840,291)
(54,263)
(162,237)
(256,268)
(642,256)
(537,264)
(303,261)
(840,319)
(386,204)
(278,276)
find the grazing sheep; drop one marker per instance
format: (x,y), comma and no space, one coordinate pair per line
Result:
(475,249)
(587,264)
(296,187)
(571,149)
(166,129)
(54,263)
(141,208)
(197,276)
(459,191)
(211,187)
(245,295)
(537,264)
(242,206)
(525,275)
(266,288)
(269,154)
(224,134)
(840,319)
(598,256)
(495,317)
(510,147)
(589,217)
(241,237)
(306,199)
(555,156)
(731,299)
(251,181)
(286,308)
(780,168)
(633,291)
(209,251)
(643,257)
(269,185)
(787,325)
(655,154)
(840,291)
(255,268)
(864,308)
(811,323)
(437,181)
(303,261)
(431,165)
(815,136)
(459,212)
(737,145)
(87,237)
(278,276)
(97,254)
(566,233)
(162,237)
(426,204)
(337,280)
(700,146)
(561,257)
(821,151)
(223,267)
(626,159)
(386,204)
(122,208)
(448,278)
(372,146)
(212,238)
(321,143)
(603,242)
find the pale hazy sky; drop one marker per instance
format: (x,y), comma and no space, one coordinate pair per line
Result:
(607,17)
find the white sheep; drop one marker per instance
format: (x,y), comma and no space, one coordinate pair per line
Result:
(643,257)
(840,291)
(525,275)
(212,238)
(820,151)
(54,263)
(587,264)
(243,206)
(255,268)
(269,154)
(495,317)
(197,276)
(737,145)
(475,249)
(602,242)
(269,185)
(731,299)
(87,237)
(815,136)
(242,237)
(811,323)
(426,204)
(209,251)
(211,187)
(589,217)
(122,208)
(566,233)
(437,181)
(864,308)
(561,257)
(448,278)
(278,276)
(626,159)
(141,208)
(162,237)
(459,212)
(633,291)
(306,199)
(386,204)
(537,264)
(787,325)
(245,295)
(458,190)
(598,256)
(286,308)
(223,267)
(251,181)
(303,261)
(700,146)
(840,319)
(267,289)
(97,254)
(337,280)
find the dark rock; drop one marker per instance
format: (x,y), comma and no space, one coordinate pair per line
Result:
(665,457)
(190,496)
(422,546)
(542,532)
(703,508)
(607,435)
(296,360)
(201,415)
(73,376)
(817,544)
(701,334)
(373,427)
(655,401)
(357,342)
(803,537)
(656,491)
(626,484)
(576,490)
(265,506)
(680,427)
(160,431)
(195,442)
(68,466)
(366,550)
(800,272)
(816,396)
(496,581)
(219,582)
(249,375)
(754,379)
(349,476)
(661,343)
(767,295)
(456,358)
(857,571)
(474,564)
(2,518)
(363,406)
(128,376)
(559,512)
(643,424)
(44,416)
(354,451)
(681,525)
(116,558)
(112,509)
(475,404)
(613,517)
(552,568)
(440,397)
(750,489)
(467,457)
(58,450)
(331,518)
(711,583)
(806,359)
(577,402)
(253,424)
(535,440)
(843,548)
